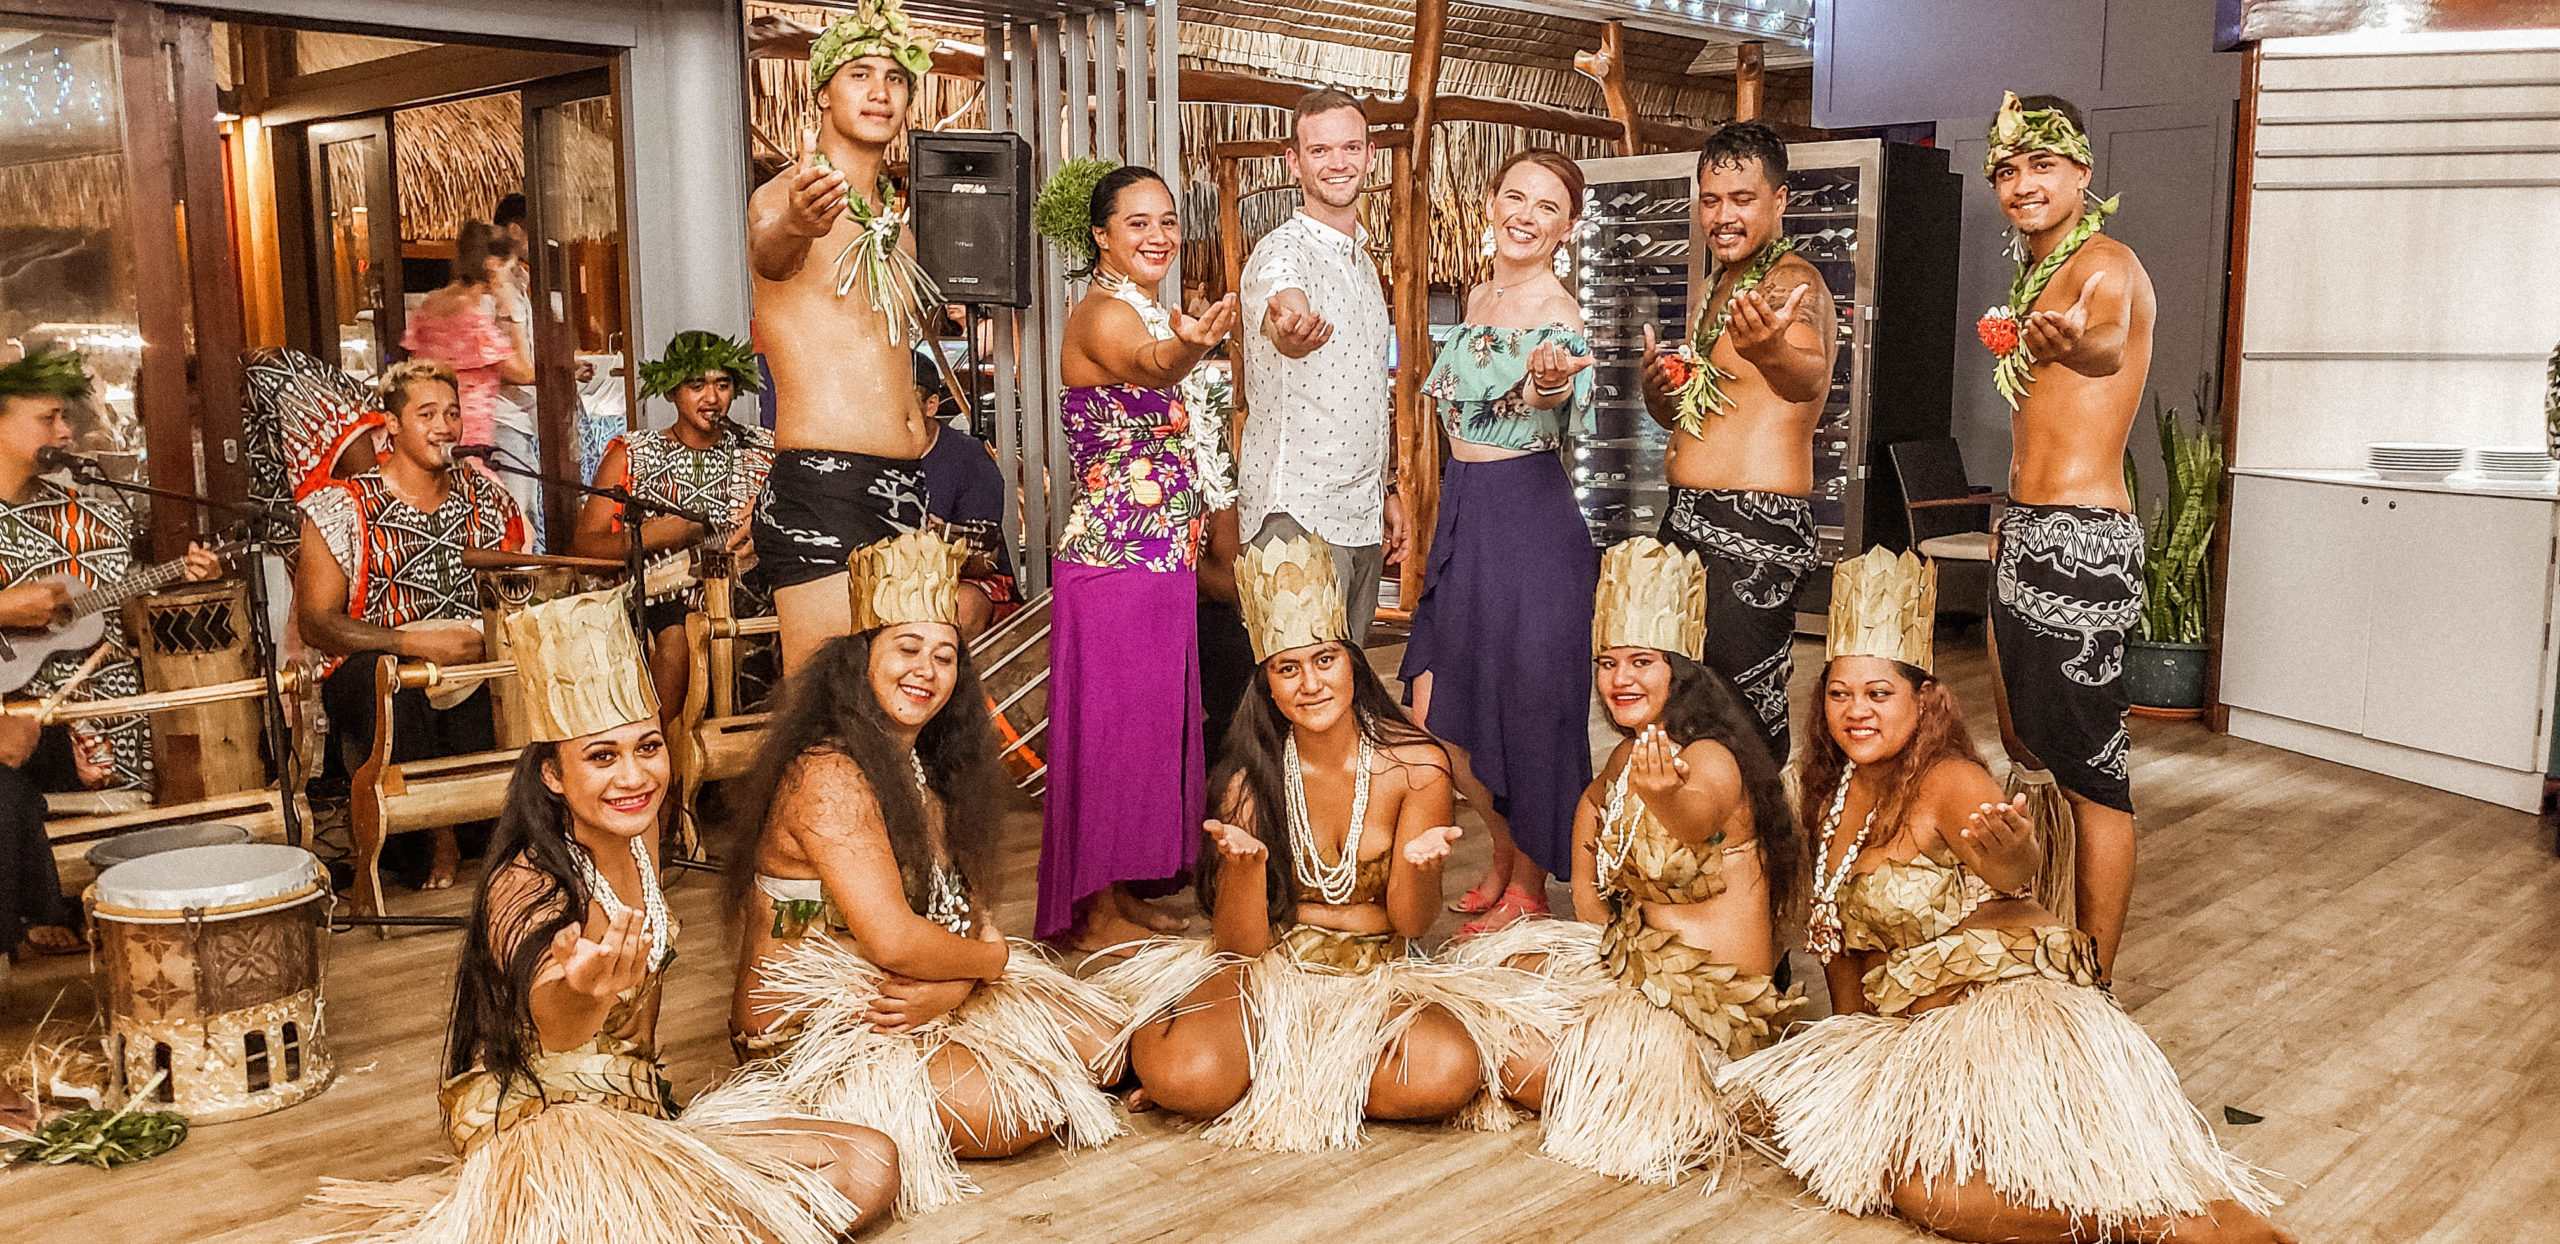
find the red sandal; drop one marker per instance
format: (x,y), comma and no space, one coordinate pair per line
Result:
(1477,901)
(1521,905)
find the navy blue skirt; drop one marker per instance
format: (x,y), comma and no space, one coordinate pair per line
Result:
(1504,630)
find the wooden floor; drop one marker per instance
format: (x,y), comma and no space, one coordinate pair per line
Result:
(2371,966)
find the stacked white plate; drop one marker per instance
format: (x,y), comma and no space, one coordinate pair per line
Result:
(2517,464)
(2413,460)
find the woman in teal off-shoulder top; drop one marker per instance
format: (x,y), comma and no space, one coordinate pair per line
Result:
(1497,666)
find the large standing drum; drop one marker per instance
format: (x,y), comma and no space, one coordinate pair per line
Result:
(1013,666)
(197,635)
(213,977)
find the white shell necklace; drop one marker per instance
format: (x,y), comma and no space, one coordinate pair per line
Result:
(1615,831)
(653,901)
(946,900)
(1822,927)
(1336,881)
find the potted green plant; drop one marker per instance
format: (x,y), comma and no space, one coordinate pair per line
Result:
(2164,665)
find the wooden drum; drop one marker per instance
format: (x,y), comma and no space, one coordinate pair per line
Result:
(213,978)
(1013,666)
(197,635)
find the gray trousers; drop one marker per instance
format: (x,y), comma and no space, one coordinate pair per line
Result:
(1357,567)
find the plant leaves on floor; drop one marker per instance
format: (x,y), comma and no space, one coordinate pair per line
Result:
(2237,1117)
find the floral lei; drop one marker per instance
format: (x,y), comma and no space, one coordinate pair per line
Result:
(1204,397)
(897,284)
(1998,327)
(1699,380)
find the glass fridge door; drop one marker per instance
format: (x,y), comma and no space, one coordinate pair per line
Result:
(1831,213)
(1636,268)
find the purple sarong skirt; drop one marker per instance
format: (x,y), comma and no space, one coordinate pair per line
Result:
(1504,630)
(1126,771)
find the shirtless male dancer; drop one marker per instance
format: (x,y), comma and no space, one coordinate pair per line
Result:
(839,307)
(1741,400)
(2074,344)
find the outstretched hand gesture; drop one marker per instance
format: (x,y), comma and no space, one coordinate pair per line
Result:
(1430,847)
(2051,336)
(2005,840)
(1297,333)
(1552,367)
(1654,766)
(604,968)
(1209,327)
(1758,326)
(817,192)
(1235,843)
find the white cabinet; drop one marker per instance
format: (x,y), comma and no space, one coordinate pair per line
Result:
(2408,626)
(2300,586)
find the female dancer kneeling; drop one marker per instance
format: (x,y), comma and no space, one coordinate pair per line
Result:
(1310,1013)
(1975,1080)
(873,986)
(556,1100)
(1684,856)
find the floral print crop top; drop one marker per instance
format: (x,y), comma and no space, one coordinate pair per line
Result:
(1481,384)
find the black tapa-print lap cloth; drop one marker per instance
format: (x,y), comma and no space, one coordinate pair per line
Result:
(1757,547)
(819,505)
(2067,587)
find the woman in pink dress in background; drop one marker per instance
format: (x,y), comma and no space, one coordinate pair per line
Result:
(475,325)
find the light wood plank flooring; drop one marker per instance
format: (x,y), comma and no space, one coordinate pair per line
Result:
(2367,964)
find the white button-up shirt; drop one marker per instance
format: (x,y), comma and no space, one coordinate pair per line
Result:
(1316,428)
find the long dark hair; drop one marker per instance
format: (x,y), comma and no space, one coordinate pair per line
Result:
(503,948)
(1703,704)
(1940,736)
(1249,786)
(828,706)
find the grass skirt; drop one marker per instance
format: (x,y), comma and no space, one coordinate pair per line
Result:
(2046,1091)
(582,1173)
(1631,1089)
(1316,1035)
(838,1067)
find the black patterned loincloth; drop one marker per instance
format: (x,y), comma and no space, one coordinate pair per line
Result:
(819,505)
(1757,547)
(2066,587)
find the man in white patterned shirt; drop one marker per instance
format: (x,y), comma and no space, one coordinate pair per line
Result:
(1318,402)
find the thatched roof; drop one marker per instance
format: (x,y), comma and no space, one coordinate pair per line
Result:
(457,159)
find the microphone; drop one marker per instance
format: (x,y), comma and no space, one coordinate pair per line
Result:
(456,453)
(54,458)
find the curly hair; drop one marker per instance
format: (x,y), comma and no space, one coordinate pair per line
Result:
(1704,705)
(829,706)
(1940,736)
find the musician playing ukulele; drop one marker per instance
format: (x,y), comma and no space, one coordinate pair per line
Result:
(707,462)
(55,541)
(380,572)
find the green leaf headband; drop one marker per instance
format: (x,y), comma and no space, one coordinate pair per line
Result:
(1064,211)
(2017,129)
(693,353)
(46,373)
(874,28)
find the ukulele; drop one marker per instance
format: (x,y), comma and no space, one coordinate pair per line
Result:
(24,650)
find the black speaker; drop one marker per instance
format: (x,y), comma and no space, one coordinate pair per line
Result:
(972,194)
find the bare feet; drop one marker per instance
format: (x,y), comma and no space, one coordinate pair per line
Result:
(1141,912)
(447,863)
(1104,929)
(53,939)
(1137,1101)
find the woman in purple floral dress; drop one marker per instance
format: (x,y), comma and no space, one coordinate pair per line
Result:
(1126,771)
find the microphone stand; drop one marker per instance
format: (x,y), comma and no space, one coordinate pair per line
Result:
(261,635)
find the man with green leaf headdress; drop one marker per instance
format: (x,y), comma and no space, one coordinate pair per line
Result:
(2073,345)
(705,462)
(839,305)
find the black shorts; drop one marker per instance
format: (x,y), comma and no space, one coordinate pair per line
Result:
(820,505)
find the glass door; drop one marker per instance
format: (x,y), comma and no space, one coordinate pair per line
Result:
(584,355)
(355,221)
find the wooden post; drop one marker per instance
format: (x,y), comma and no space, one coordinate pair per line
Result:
(1417,433)
(213,268)
(2235,302)
(1608,67)
(1230,172)
(1750,75)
